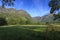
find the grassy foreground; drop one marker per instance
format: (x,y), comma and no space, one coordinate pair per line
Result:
(27,33)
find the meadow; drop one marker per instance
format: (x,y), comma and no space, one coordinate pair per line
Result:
(28,32)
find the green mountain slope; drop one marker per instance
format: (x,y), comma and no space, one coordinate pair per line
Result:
(15,16)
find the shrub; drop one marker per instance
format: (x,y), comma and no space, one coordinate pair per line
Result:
(3,21)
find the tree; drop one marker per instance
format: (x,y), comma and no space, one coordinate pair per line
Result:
(7,2)
(55,5)
(23,20)
(3,21)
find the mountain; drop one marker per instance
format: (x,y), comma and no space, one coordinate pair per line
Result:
(37,19)
(23,13)
(14,16)
(47,18)
(14,12)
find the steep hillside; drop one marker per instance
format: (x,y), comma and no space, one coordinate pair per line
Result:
(14,16)
(14,12)
(38,18)
(23,15)
(47,18)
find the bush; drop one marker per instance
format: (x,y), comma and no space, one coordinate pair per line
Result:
(3,21)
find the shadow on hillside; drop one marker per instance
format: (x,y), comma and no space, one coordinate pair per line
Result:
(22,33)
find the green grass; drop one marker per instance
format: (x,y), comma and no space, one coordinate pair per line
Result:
(27,33)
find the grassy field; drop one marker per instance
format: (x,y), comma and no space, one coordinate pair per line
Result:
(27,32)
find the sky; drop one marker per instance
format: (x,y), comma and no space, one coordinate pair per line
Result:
(33,7)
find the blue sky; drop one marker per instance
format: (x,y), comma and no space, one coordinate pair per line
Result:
(33,7)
